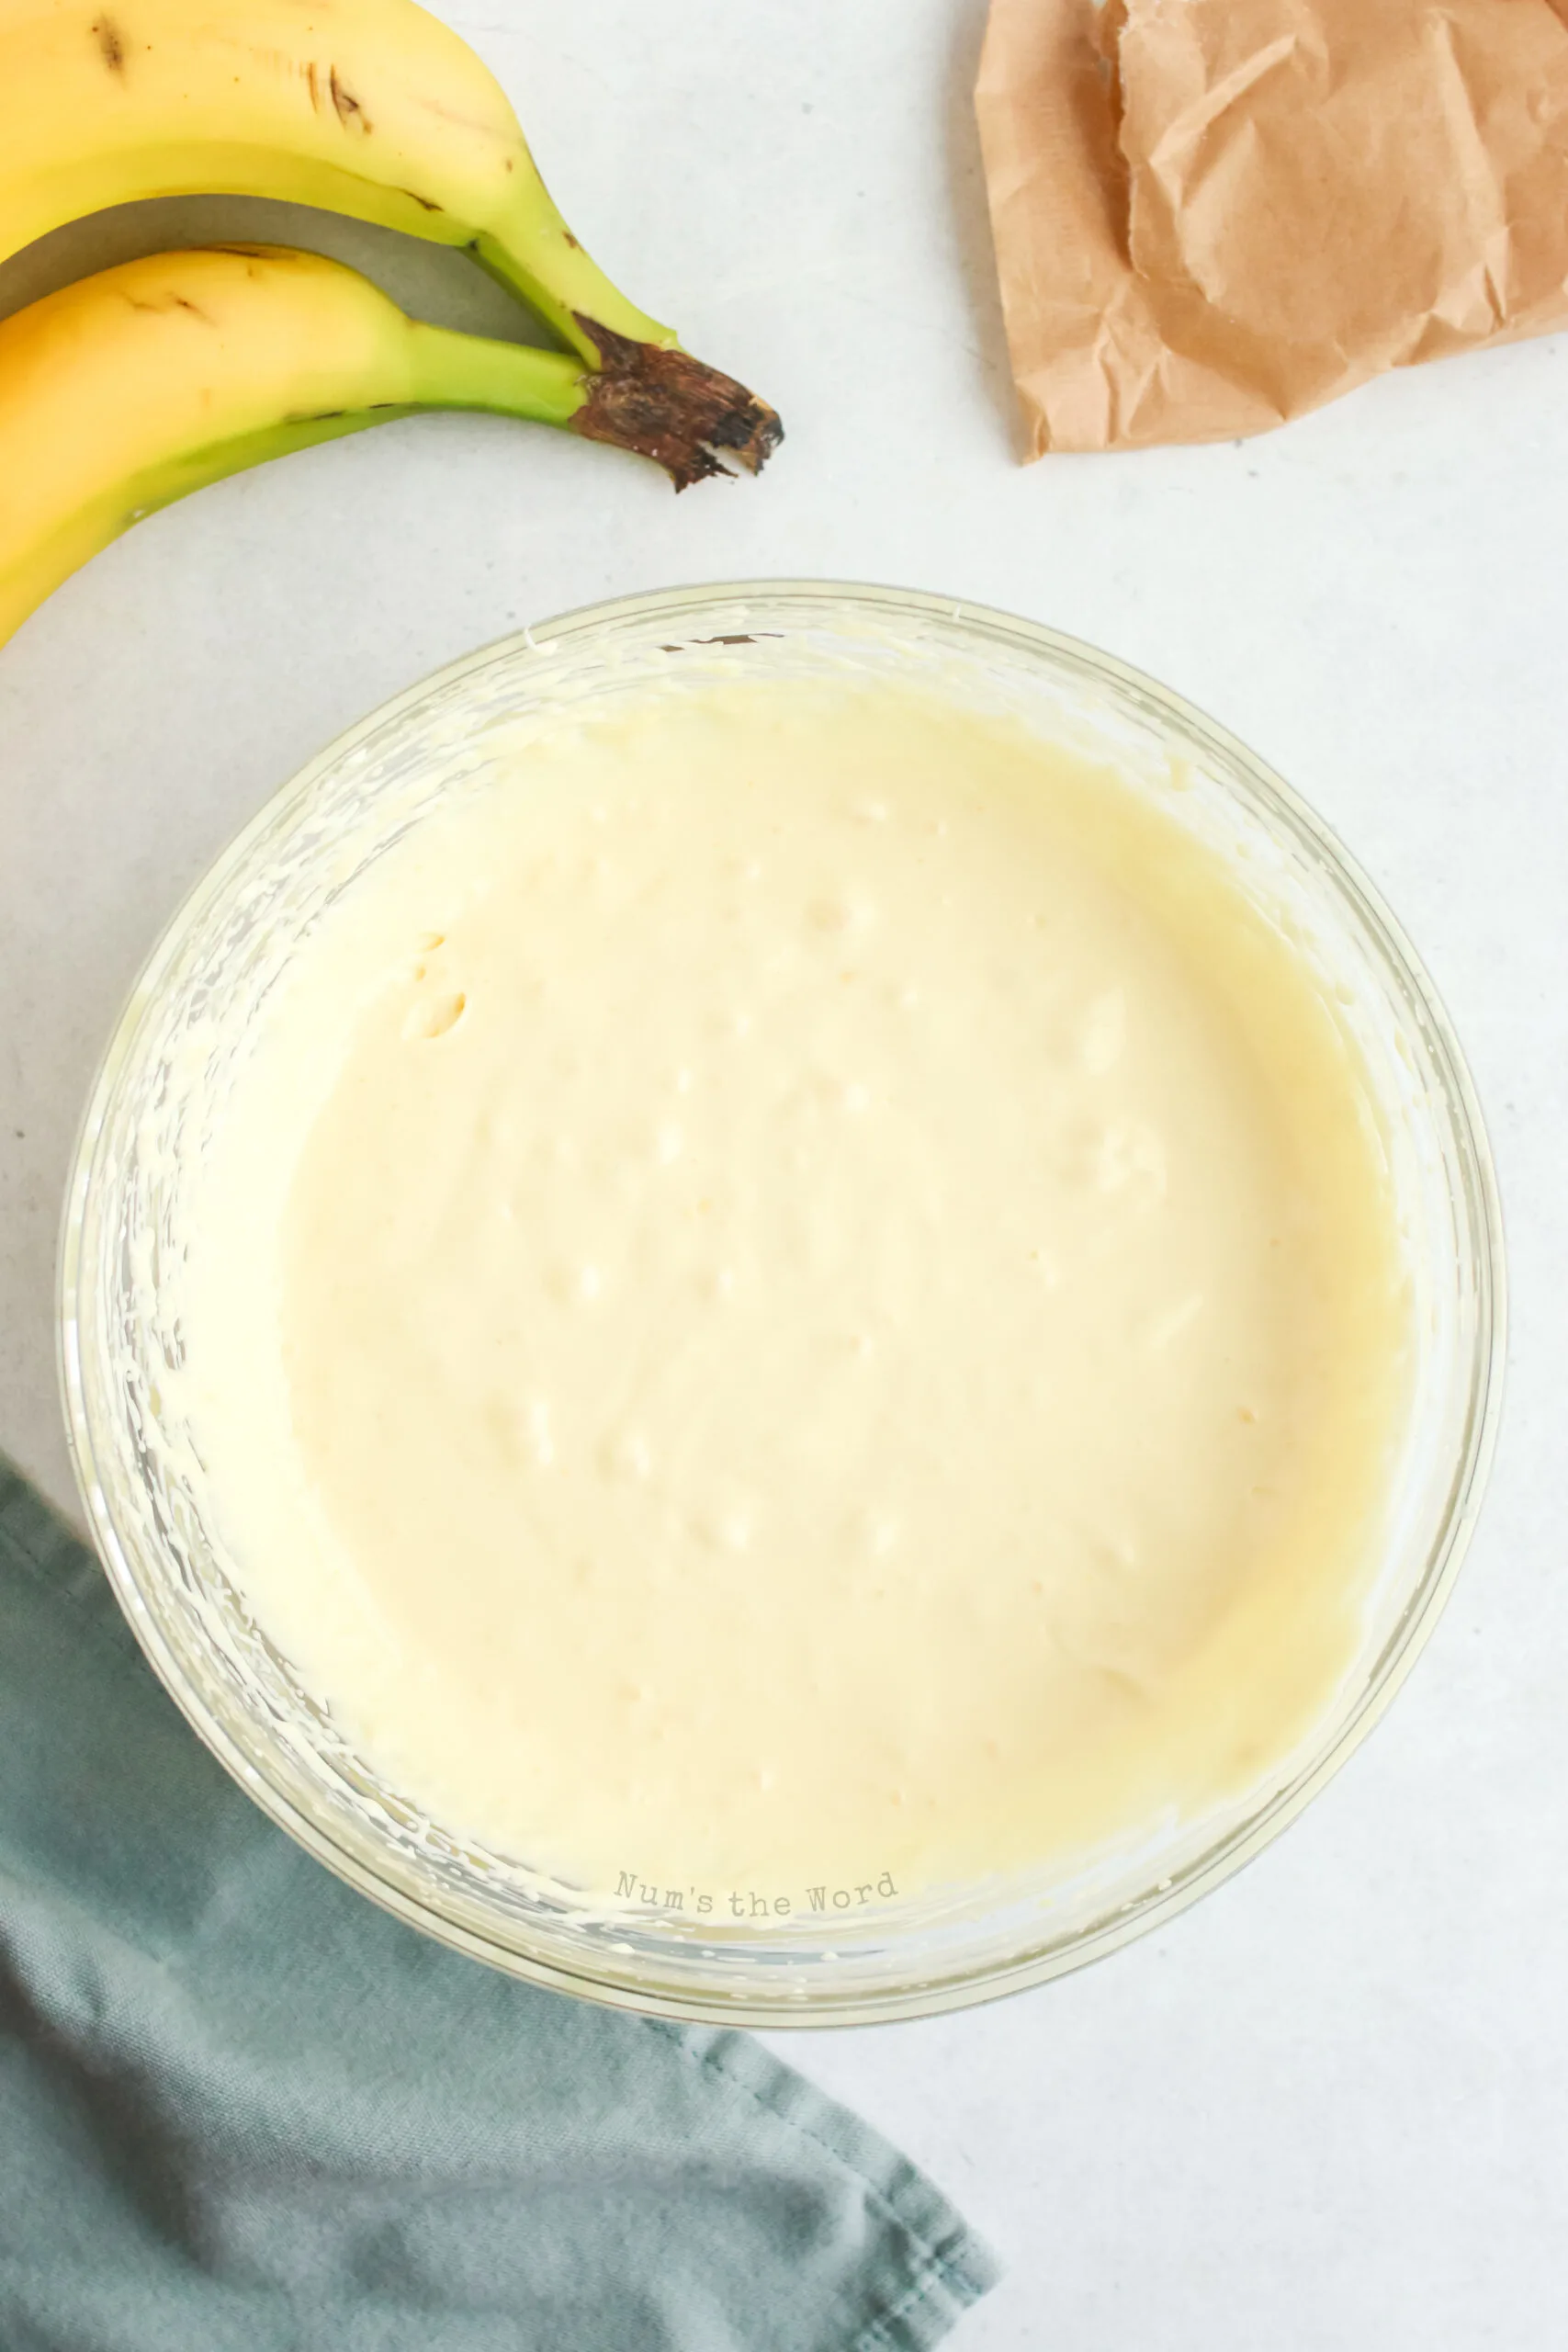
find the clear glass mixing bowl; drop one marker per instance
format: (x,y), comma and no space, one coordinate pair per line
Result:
(164,1083)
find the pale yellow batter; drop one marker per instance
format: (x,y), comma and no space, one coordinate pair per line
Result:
(802,1294)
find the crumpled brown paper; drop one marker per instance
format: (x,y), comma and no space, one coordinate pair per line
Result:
(1212,215)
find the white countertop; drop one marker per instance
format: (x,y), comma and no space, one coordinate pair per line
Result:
(1329,2106)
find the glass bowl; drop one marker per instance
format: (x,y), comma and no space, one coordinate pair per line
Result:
(165,1077)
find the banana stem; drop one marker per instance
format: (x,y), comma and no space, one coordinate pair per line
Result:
(644,392)
(454,370)
(663,403)
(533,254)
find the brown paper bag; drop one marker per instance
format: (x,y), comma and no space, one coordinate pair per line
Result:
(1212,215)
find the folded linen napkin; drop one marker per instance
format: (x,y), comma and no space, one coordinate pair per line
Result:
(244,2110)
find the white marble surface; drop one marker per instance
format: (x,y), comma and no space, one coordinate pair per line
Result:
(1329,2108)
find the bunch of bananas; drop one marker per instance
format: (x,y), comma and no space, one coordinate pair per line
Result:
(122,392)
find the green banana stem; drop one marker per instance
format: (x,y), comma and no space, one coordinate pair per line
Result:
(658,401)
(537,257)
(469,371)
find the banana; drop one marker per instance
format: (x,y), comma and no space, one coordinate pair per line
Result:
(371,108)
(122,392)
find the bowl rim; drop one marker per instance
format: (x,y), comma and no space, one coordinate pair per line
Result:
(985,1982)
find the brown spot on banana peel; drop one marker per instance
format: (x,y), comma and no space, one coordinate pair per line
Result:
(348,106)
(170,302)
(670,407)
(111,48)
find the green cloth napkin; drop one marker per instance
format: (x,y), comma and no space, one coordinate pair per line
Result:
(244,2110)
